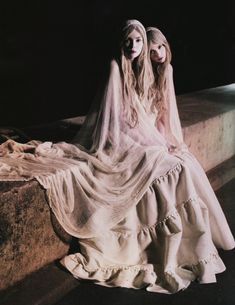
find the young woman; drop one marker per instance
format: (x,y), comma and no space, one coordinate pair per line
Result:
(139,211)
(168,122)
(170,210)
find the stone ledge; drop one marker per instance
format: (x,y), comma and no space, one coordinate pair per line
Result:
(222,173)
(212,141)
(31,238)
(27,234)
(208,121)
(198,106)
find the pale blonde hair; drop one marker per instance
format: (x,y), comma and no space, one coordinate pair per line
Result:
(155,36)
(137,76)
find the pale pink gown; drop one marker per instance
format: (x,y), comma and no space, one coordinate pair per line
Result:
(144,213)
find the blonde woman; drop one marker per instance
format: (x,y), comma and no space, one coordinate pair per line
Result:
(139,212)
(160,221)
(168,119)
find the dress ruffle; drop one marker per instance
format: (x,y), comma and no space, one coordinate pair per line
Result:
(163,256)
(142,208)
(150,276)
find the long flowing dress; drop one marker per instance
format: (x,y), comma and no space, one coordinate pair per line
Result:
(144,215)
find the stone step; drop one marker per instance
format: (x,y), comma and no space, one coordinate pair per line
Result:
(30,236)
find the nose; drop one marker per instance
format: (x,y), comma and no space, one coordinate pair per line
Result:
(157,53)
(134,43)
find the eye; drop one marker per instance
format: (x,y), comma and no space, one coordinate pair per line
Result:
(127,42)
(138,40)
(152,52)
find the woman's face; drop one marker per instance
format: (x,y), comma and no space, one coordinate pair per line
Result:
(133,45)
(157,52)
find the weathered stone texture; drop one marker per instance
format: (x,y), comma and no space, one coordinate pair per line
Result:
(208,120)
(27,238)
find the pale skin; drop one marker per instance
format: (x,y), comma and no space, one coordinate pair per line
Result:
(133,45)
(157,52)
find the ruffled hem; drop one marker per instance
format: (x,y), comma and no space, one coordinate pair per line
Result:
(147,276)
(179,278)
(137,276)
(181,230)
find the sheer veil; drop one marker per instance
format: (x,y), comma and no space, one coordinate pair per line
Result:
(107,169)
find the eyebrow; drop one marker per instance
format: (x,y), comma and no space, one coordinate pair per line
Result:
(138,37)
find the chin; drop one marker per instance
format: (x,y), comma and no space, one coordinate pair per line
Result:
(160,61)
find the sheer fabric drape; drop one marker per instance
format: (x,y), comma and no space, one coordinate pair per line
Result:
(145,214)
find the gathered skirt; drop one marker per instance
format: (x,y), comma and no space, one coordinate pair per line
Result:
(166,241)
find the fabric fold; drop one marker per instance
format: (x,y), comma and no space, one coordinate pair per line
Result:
(144,215)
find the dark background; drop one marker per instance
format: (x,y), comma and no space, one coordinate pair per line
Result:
(52,53)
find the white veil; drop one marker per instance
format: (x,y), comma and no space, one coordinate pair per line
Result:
(92,183)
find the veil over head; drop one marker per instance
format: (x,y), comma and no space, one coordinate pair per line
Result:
(93,182)
(132,22)
(157,33)
(142,215)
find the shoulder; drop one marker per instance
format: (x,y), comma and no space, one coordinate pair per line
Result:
(169,73)
(114,70)
(114,66)
(170,69)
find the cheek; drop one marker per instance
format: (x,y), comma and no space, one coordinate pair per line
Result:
(153,57)
(164,53)
(141,46)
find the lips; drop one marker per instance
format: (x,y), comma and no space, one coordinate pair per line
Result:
(159,59)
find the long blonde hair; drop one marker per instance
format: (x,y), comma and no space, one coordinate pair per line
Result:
(155,36)
(137,76)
